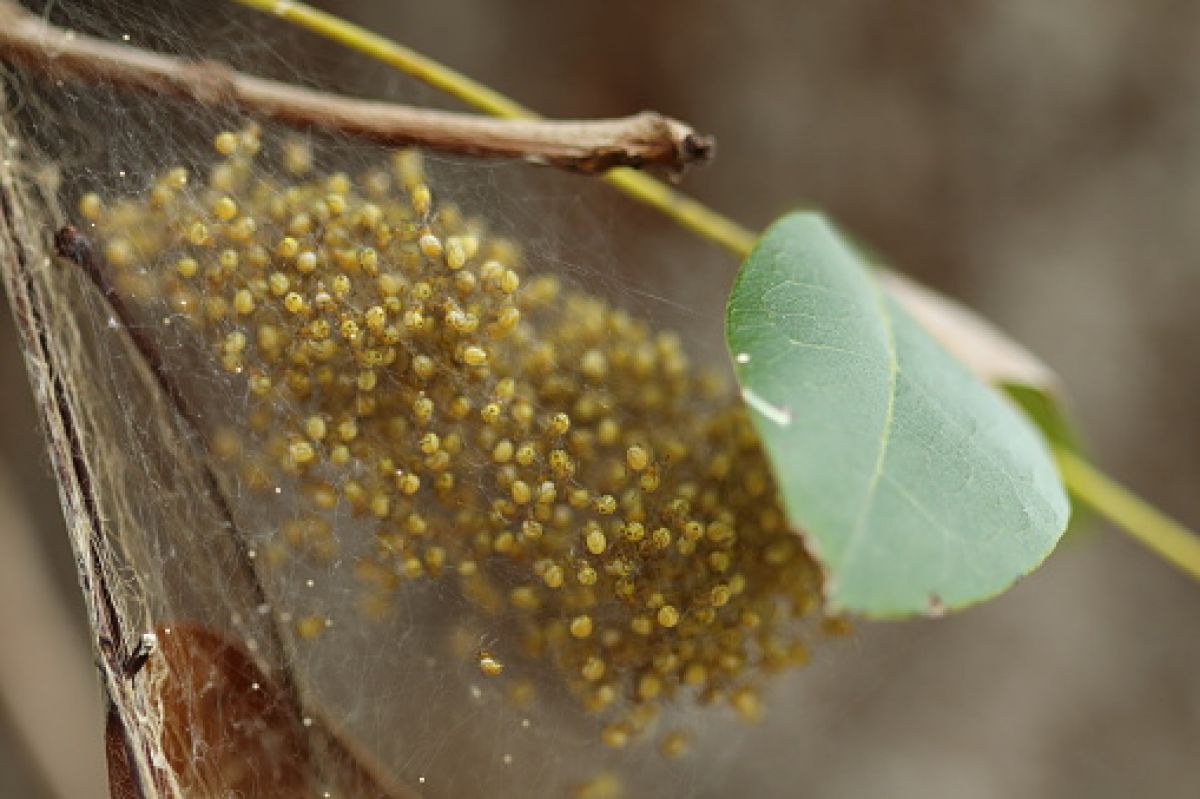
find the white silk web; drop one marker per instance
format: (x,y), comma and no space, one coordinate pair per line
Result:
(597,599)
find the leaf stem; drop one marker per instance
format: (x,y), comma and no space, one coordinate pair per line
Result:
(405,59)
(689,213)
(1167,538)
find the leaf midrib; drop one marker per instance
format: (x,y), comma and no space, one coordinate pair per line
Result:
(889,418)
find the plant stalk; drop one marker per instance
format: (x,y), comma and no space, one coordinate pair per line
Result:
(1165,537)
(693,215)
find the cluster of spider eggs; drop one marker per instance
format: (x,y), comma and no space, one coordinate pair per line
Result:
(560,459)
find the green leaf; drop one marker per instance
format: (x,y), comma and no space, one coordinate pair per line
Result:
(991,355)
(994,358)
(1046,408)
(916,486)
(1046,411)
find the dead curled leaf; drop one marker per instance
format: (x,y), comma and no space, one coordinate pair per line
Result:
(121,783)
(227,729)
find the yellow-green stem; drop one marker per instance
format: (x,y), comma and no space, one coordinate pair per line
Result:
(1167,538)
(693,215)
(408,61)
(1171,540)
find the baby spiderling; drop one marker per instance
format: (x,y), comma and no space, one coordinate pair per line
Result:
(558,459)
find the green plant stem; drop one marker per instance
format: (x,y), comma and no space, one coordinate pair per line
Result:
(1167,538)
(1153,529)
(405,59)
(693,215)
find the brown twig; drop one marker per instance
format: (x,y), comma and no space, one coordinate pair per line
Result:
(590,146)
(67,446)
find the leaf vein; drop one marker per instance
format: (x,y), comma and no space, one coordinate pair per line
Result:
(889,418)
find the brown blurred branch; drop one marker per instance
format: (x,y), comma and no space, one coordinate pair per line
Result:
(590,146)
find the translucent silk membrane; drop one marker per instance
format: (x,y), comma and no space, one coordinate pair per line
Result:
(421,490)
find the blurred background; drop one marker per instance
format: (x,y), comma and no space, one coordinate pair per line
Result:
(1039,161)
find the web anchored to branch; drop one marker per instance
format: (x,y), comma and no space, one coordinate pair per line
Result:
(384,458)
(647,139)
(400,462)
